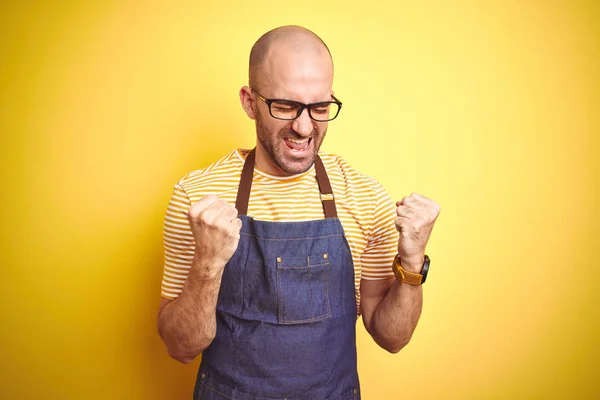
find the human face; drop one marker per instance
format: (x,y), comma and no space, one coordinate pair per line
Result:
(289,151)
(290,147)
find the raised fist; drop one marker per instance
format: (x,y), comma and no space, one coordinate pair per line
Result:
(416,216)
(216,230)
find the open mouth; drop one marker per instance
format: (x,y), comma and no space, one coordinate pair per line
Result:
(297,146)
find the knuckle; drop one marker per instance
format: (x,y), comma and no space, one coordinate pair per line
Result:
(190,212)
(193,211)
(207,200)
(208,216)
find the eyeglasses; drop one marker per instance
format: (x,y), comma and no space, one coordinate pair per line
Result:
(289,110)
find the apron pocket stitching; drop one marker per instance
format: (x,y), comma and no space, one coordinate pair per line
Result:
(310,303)
(215,390)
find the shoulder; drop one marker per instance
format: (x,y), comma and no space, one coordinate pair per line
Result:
(220,178)
(339,168)
(215,176)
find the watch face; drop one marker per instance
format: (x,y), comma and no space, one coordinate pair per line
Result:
(425,269)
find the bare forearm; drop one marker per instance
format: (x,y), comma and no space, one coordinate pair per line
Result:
(187,325)
(396,317)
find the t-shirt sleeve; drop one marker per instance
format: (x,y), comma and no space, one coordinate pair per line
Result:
(178,244)
(382,245)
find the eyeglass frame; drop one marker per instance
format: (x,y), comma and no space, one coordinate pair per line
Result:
(302,107)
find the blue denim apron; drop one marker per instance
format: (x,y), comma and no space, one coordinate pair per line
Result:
(286,312)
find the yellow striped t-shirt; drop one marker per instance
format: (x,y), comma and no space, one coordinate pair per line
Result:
(364,208)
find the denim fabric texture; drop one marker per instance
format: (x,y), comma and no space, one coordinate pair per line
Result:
(286,316)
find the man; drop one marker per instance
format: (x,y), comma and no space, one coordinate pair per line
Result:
(269,290)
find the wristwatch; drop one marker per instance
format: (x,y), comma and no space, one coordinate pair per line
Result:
(412,278)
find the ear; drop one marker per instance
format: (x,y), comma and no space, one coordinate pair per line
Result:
(247,101)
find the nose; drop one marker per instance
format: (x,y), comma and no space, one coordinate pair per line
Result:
(303,125)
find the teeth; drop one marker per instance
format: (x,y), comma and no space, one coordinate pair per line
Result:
(298,141)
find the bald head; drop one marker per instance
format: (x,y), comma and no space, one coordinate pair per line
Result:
(281,46)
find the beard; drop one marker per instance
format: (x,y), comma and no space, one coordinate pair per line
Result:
(271,142)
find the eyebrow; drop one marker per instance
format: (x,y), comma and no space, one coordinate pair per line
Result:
(298,101)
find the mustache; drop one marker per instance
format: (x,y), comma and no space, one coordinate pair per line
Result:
(286,133)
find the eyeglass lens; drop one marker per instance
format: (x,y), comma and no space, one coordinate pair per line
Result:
(289,110)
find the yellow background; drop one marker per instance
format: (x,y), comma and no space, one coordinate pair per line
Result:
(489,107)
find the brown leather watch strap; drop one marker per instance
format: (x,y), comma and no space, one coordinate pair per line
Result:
(404,276)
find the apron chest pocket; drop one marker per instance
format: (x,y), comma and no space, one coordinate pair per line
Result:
(303,289)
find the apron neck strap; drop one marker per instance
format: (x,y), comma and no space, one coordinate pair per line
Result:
(325,191)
